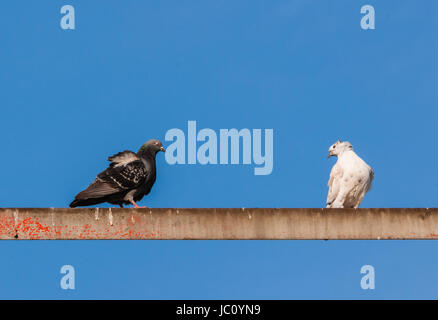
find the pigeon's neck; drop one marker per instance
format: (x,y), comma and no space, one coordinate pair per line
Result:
(345,152)
(147,154)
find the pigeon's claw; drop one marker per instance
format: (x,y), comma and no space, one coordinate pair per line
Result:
(136,205)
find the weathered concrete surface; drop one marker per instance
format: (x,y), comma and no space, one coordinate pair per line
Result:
(99,223)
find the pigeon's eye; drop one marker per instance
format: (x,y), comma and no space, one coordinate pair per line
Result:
(334,147)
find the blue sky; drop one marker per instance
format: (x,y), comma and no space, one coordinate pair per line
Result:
(130,72)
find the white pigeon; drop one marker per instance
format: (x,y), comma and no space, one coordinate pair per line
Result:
(350,177)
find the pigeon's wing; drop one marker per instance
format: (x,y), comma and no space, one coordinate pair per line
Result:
(123,158)
(334,184)
(125,175)
(126,172)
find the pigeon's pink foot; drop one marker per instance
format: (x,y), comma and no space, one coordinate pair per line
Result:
(136,206)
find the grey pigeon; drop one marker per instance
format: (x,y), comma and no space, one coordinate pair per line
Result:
(129,177)
(350,177)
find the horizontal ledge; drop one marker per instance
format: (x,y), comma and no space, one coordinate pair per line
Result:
(219,223)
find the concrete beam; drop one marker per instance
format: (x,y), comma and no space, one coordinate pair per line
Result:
(287,223)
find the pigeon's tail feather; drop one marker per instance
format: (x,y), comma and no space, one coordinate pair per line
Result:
(85,202)
(371,180)
(97,189)
(75,203)
(96,193)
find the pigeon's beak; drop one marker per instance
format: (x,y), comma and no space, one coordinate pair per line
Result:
(329,155)
(162,149)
